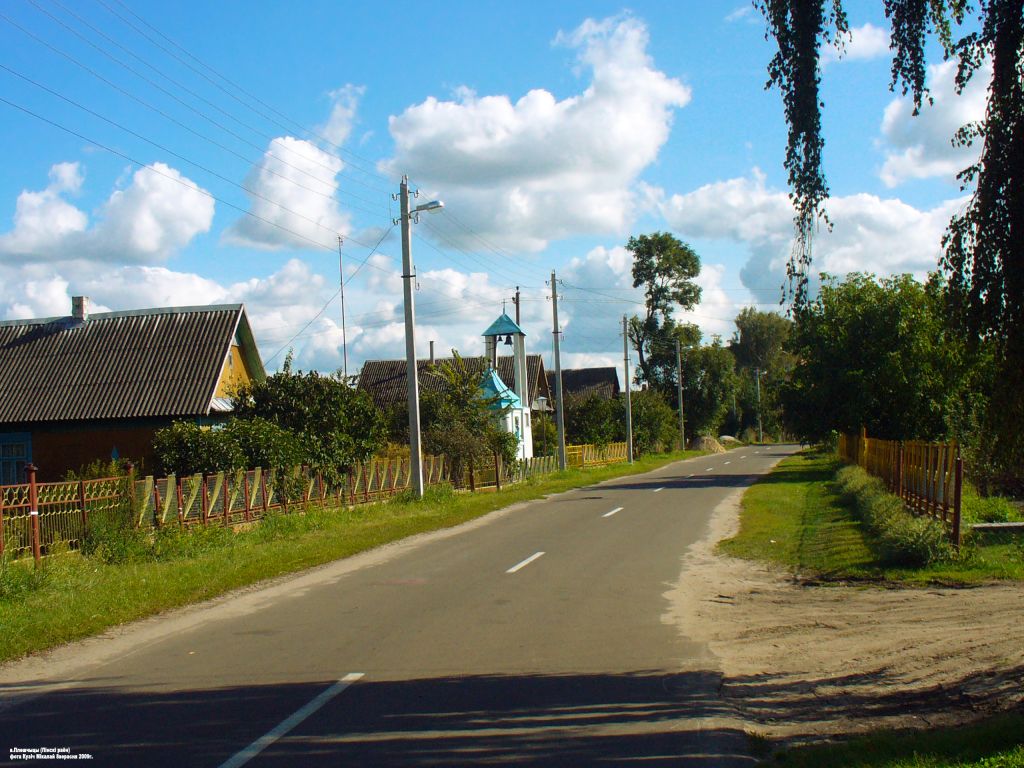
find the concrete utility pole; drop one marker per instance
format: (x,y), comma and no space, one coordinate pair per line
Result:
(629,402)
(411,371)
(760,431)
(516,302)
(679,393)
(559,413)
(344,338)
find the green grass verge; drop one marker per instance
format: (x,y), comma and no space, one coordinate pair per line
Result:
(997,742)
(797,518)
(74,596)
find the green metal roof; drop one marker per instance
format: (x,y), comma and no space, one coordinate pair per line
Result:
(502,326)
(493,387)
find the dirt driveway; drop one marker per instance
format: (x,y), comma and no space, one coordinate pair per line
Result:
(800,663)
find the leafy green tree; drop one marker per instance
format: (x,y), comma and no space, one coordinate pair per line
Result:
(759,346)
(336,425)
(666,268)
(709,383)
(984,244)
(592,419)
(264,444)
(873,353)
(545,435)
(460,423)
(655,427)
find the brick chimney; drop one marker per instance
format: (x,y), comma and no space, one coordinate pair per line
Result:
(80,308)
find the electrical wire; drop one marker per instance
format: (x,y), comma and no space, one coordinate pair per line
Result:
(169,151)
(177,180)
(173,96)
(234,85)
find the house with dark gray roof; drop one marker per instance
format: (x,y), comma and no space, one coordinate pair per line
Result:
(83,387)
(584,382)
(385,380)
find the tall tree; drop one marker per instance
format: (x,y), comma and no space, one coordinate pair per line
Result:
(874,354)
(984,245)
(460,422)
(666,268)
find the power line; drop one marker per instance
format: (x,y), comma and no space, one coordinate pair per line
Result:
(177,180)
(171,95)
(330,300)
(169,151)
(231,83)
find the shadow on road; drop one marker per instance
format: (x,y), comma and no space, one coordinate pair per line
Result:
(521,720)
(524,720)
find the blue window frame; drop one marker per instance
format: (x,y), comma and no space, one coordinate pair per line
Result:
(15,453)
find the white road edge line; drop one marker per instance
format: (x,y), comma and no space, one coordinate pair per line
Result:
(658,490)
(609,514)
(525,562)
(286,725)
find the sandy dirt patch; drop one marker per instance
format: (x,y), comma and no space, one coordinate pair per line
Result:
(800,663)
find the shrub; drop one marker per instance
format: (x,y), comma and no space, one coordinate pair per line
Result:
(655,426)
(901,538)
(185,448)
(990,509)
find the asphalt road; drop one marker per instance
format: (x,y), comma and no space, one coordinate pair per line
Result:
(537,636)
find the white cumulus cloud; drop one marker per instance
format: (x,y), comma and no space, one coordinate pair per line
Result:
(921,147)
(870,233)
(863,43)
(525,172)
(159,212)
(294,204)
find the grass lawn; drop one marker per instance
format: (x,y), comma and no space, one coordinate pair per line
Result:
(796,518)
(74,596)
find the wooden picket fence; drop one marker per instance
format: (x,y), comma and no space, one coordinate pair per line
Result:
(40,518)
(37,517)
(595,455)
(928,477)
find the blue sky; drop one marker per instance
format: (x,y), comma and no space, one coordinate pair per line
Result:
(241,138)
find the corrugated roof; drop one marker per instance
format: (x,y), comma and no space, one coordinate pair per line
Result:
(117,365)
(583,382)
(385,380)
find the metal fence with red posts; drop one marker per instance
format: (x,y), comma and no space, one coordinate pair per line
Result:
(928,477)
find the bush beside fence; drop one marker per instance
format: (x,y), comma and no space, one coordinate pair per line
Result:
(927,477)
(40,518)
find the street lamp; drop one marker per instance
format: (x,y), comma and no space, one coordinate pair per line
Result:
(405,219)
